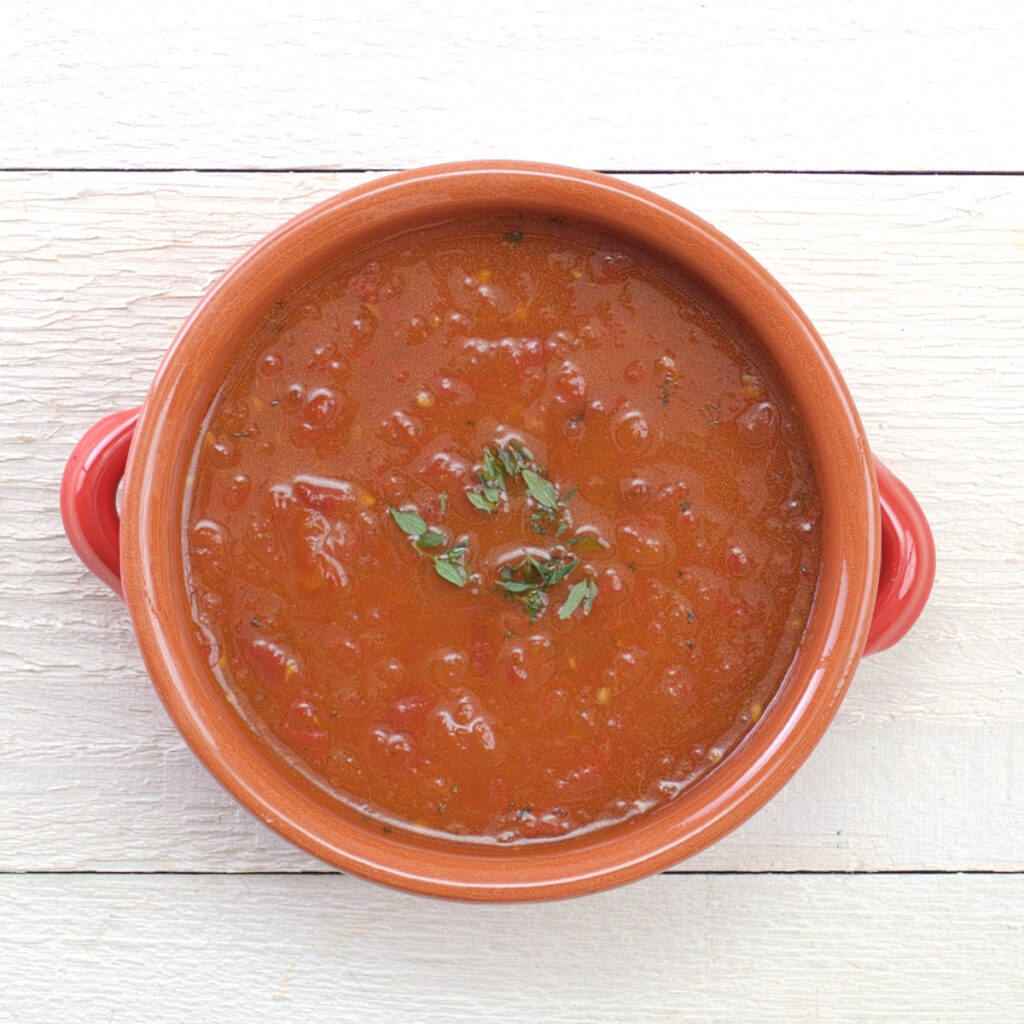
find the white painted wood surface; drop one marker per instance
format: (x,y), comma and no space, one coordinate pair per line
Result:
(132,888)
(674,84)
(770,949)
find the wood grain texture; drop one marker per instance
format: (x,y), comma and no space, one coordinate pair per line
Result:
(812,84)
(713,950)
(915,283)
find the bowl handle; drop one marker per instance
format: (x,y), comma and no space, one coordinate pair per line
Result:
(88,495)
(908,563)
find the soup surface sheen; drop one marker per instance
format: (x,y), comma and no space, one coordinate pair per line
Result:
(502,530)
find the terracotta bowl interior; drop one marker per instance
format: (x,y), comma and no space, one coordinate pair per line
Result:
(290,801)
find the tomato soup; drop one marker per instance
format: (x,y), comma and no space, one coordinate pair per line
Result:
(503,530)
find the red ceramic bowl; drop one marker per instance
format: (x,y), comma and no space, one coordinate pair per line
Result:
(878,556)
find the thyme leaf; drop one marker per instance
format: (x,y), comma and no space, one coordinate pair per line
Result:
(480,501)
(451,572)
(408,522)
(516,587)
(451,565)
(582,593)
(542,491)
(574,600)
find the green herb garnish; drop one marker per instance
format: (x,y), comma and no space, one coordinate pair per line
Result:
(574,600)
(490,495)
(529,579)
(478,501)
(543,491)
(408,522)
(450,564)
(586,542)
(582,593)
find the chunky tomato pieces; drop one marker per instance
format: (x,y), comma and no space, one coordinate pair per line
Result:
(502,530)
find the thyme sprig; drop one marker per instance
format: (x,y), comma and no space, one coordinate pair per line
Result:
(503,464)
(450,565)
(496,465)
(529,580)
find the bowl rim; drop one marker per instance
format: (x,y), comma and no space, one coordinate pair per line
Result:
(151,537)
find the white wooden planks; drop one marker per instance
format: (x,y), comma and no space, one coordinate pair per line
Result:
(916,285)
(773,949)
(806,85)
